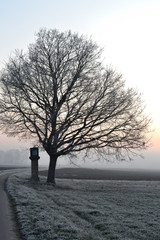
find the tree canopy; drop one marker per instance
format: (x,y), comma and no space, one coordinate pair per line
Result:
(59,93)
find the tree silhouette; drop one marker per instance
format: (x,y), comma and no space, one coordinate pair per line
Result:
(60,93)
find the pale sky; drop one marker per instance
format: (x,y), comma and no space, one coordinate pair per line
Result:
(127,29)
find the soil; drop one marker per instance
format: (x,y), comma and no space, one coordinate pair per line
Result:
(111,174)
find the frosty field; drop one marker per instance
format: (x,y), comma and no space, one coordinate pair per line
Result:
(86,210)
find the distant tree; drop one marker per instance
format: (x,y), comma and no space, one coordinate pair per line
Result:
(60,93)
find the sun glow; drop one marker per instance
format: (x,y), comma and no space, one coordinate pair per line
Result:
(131,40)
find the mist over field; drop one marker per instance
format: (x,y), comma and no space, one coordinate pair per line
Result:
(14,157)
(149,161)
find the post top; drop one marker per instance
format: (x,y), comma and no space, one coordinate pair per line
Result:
(34,153)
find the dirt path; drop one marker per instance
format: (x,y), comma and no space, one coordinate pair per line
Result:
(8,227)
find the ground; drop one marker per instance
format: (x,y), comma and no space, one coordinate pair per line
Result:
(86,209)
(106,174)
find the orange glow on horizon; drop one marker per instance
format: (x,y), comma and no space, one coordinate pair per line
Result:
(155,142)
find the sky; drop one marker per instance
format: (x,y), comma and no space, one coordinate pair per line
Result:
(128,30)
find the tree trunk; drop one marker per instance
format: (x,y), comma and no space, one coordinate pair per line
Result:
(51,170)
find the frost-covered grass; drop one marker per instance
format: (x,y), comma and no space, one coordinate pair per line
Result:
(86,210)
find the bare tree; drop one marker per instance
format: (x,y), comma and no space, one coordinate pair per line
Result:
(60,94)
